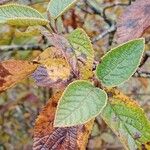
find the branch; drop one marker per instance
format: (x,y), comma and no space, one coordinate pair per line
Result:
(103,34)
(147,53)
(145,58)
(95,11)
(21,47)
(143,74)
(114,5)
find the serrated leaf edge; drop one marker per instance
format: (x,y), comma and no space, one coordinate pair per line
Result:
(26,18)
(143,39)
(66,8)
(81,123)
(24,6)
(88,38)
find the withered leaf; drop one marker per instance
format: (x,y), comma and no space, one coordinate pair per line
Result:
(134,21)
(63,45)
(13,71)
(54,69)
(47,137)
(83,51)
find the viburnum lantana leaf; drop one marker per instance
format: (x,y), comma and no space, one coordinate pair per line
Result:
(13,71)
(54,71)
(21,15)
(77,49)
(80,103)
(57,7)
(63,45)
(125,117)
(83,51)
(46,136)
(120,63)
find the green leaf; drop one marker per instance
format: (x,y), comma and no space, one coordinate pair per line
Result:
(20,15)
(83,51)
(57,7)
(128,121)
(80,103)
(120,63)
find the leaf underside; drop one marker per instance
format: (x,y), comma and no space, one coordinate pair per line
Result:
(80,103)
(120,63)
(20,15)
(125,117)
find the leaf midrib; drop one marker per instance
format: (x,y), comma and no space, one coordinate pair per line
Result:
(82,101)
(121,61)
(124,124)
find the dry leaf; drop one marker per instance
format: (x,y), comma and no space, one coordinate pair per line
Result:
(54,69)
(47,137)
(134,21)
(77,50)
(13,71)
(62,44)
(83,51)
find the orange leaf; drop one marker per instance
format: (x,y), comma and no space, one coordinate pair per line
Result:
(48,137)
(134,21)
(12,71)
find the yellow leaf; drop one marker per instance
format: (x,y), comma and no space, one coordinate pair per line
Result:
(54,68)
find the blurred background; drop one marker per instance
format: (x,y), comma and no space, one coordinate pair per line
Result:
(20,105)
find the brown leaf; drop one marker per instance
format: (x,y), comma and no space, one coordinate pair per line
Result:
(134,21)
(13,71)
(49,138)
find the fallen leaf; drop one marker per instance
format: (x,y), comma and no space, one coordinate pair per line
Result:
(13,71)
(134,21)
(47,137)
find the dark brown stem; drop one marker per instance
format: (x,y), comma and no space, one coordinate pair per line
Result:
(143,74)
